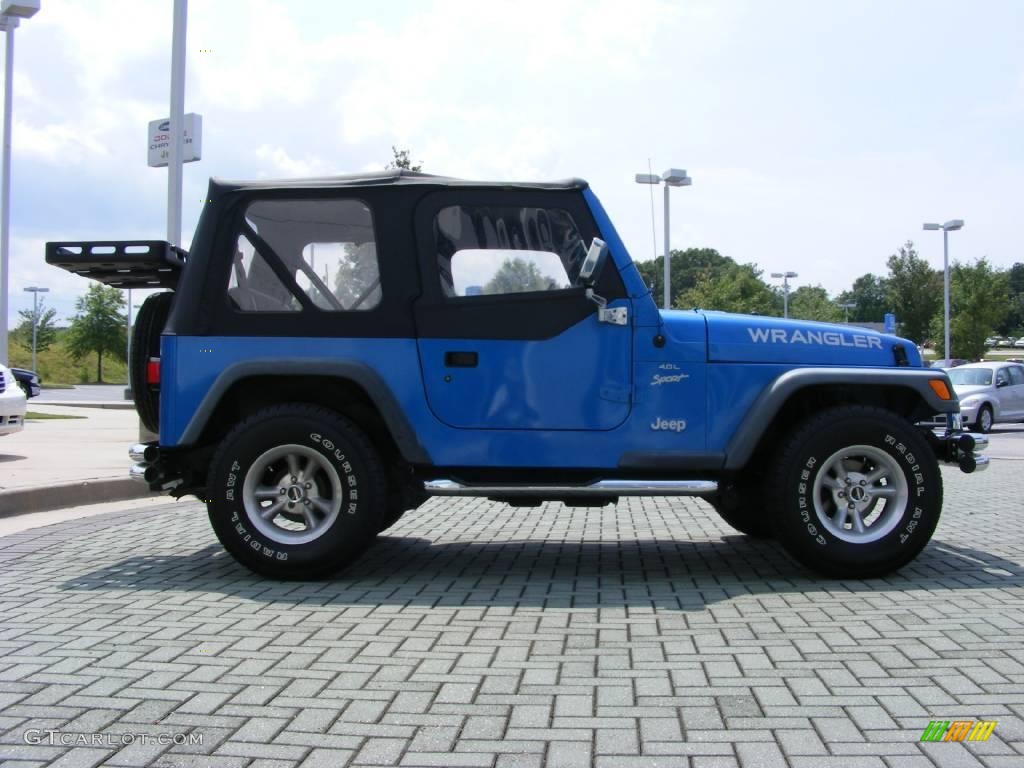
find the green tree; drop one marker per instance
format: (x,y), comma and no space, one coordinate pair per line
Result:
(686,268)
(811,302)
(98,326)
(870,295)
(46,328)
(977,304)
(739,288)
(1013,324)
(915,292)
(401,161)
(516,275)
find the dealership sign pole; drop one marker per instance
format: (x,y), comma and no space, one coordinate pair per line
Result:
(174,170)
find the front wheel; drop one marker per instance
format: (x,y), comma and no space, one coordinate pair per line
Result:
(743,508)
(296,492)
(984,422)
(857,492)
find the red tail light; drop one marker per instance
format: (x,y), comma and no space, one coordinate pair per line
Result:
(153,371)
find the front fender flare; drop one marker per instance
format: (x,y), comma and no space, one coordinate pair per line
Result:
(775,395)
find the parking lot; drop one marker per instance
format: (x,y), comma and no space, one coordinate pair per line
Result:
(474,634)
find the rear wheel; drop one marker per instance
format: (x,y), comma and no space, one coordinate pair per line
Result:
(856,493)
(149,324)
(296,492)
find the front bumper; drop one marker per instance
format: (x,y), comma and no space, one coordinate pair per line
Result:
(953,446)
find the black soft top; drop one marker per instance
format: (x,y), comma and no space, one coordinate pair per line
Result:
(398,177)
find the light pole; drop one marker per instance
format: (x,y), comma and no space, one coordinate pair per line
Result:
(11,12)
(35,291)
(673,177)
(846,307)
(177,124)
(949,226)
(785,289)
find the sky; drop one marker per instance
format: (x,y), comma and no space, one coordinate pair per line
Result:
(819,136)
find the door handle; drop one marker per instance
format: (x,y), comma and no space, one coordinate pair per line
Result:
(460,359)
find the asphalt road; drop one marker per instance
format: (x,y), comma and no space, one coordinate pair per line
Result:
(1006,441)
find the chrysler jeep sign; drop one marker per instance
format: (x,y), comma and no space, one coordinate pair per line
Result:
(159,141)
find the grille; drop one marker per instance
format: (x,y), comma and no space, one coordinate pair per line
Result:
(3,382)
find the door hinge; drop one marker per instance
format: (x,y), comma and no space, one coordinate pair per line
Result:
(614,316)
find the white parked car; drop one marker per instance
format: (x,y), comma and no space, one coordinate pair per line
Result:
(12,403)
(989,393)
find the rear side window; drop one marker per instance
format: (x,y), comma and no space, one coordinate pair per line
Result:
(1016,374)
(489,250)
(297,254)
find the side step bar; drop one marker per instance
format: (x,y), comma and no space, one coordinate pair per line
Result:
(602,488)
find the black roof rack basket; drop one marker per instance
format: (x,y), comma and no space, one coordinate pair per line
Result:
(121,263)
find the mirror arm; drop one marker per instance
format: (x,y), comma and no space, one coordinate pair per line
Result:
(615,316)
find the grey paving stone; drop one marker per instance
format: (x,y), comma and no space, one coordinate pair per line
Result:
(647,633)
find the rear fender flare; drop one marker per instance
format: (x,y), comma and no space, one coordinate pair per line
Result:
(362,375)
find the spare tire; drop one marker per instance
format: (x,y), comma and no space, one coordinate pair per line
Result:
(149,324)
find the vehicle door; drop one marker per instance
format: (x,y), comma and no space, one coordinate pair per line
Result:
(507,339)
(1016,390)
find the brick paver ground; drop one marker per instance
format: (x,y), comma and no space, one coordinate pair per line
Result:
(474,634)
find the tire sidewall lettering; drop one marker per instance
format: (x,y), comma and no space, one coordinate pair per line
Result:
(914,475)
(238,519)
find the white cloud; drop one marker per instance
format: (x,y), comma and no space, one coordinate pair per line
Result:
(285,165)
(809,151)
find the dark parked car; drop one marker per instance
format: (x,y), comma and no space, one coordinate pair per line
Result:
(29,381)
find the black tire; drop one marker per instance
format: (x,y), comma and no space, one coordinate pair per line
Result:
(985,419)
(746,511)
(392,516)
(149,324)
(858,440)
(345,475)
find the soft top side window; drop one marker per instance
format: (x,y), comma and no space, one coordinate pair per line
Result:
(500,249)
(299,253)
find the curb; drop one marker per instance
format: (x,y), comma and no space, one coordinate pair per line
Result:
(113,404)
(25,501)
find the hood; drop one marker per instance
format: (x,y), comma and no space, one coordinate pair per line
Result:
(757,339)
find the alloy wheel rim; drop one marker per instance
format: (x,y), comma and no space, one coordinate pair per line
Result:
(292,494)
(860,494)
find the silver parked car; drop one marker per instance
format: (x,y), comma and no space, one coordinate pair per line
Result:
(989,393)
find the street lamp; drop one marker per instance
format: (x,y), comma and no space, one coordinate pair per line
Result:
(785,289)
(673,177)
(949,226)
(35,291)
(847,306)
(11,12)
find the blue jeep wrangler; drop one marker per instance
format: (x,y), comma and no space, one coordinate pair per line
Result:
(334,351)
